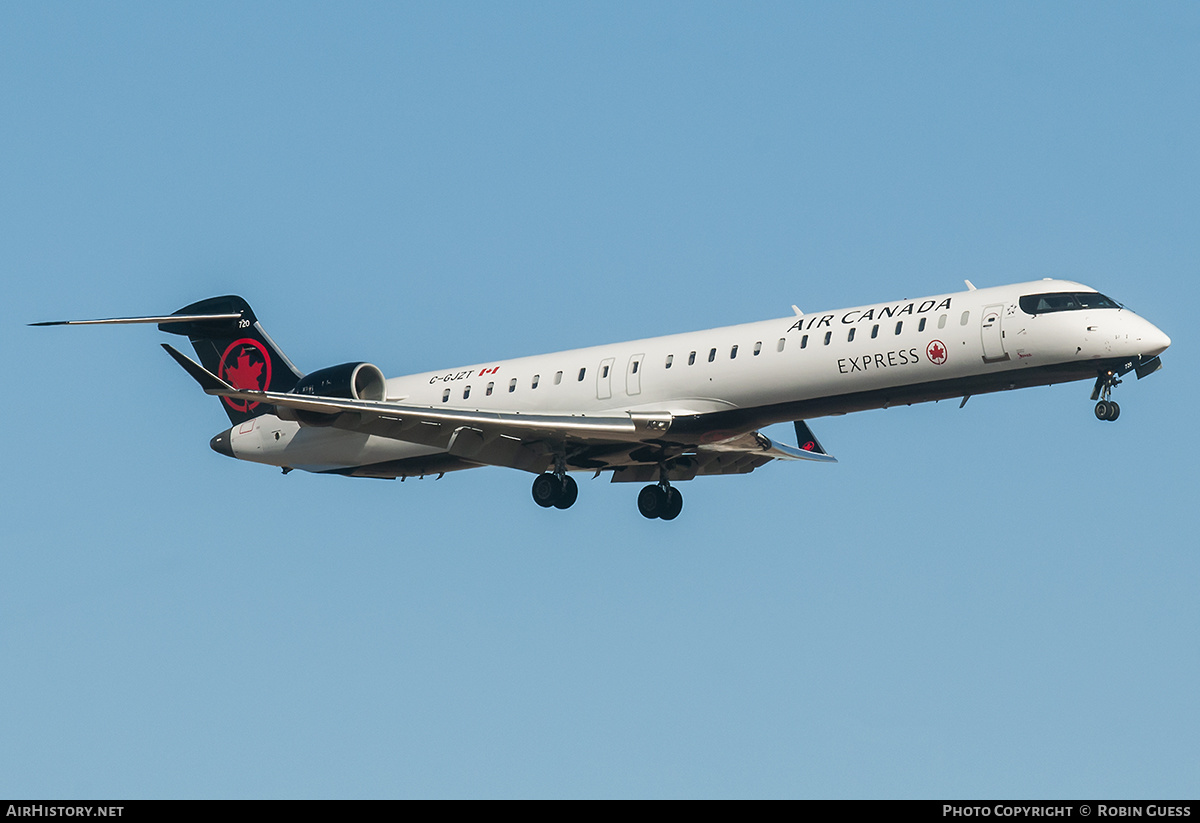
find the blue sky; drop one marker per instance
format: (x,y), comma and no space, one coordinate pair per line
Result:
(995,601)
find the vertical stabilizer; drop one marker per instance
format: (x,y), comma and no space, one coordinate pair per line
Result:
(237,350)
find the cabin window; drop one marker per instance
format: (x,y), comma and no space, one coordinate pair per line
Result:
(557,377)
(582,372)
(783,340)
(942,322)
(536,379)
(828,337)
(712,355)
(692,359)
(512,385)
(670,360)
(921,325)
(850,336)
(757,348)
(899,326)
(803,343)
(633,369)
(733,353)
(445,395)
(603,372)
(489,389)
(466,392)
(874,331)
(965,316)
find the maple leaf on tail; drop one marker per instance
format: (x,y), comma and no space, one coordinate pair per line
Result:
(245,375)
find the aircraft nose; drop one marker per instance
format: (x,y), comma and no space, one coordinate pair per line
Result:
(1154,341)
(221,445)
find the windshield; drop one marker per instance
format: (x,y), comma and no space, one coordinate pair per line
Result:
(1065,301)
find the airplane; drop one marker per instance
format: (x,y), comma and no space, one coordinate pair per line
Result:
(660,410)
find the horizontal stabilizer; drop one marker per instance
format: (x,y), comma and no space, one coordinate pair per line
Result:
(170,318)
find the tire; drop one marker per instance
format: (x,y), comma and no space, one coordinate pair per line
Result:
(650,502)
(1114,411)
(1102,410)
(569,493)
(546,490)
(674,504)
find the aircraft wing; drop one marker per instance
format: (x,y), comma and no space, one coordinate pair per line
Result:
(519,440)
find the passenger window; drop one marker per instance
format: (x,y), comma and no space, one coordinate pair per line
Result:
(557,377)
(757,348)
(466,392)
(512,385)
(582,372)
(783,340)
(850,336)
(692,359)
(445,395)
(603,373)
(536,378)
(636,363)
(828,337)
(803,343)
(874,331)
(899,325)
(670,360)
(921,325)
(966,315)
(733,353)
(942,322)
(712,355)
(489,389)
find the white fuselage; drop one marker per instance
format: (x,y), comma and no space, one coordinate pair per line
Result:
(747,376)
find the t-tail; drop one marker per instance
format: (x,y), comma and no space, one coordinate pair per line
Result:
(230,343)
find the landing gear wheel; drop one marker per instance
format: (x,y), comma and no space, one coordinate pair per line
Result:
(652,502)
(1102,410)
(569,493)
(1114,411)
(547,489)
(674,504)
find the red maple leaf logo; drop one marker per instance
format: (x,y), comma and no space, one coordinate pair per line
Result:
(936,352)
(249,370)
(245,375)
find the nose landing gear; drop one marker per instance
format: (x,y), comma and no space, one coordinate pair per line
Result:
(1106,409)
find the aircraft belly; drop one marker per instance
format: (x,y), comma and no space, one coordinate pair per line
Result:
(267,439)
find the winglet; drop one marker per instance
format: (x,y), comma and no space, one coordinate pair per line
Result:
(806,440)
(207,380)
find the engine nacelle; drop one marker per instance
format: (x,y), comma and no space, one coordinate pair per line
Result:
(354,381)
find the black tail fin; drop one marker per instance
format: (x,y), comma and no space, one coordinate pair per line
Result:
(236,350)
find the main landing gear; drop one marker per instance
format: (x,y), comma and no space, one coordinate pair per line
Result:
(555,490)
(661,501)
(1106,409)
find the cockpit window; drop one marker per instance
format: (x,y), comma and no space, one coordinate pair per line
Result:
(1065,301)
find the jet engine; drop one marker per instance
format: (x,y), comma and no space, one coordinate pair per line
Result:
(355,381)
